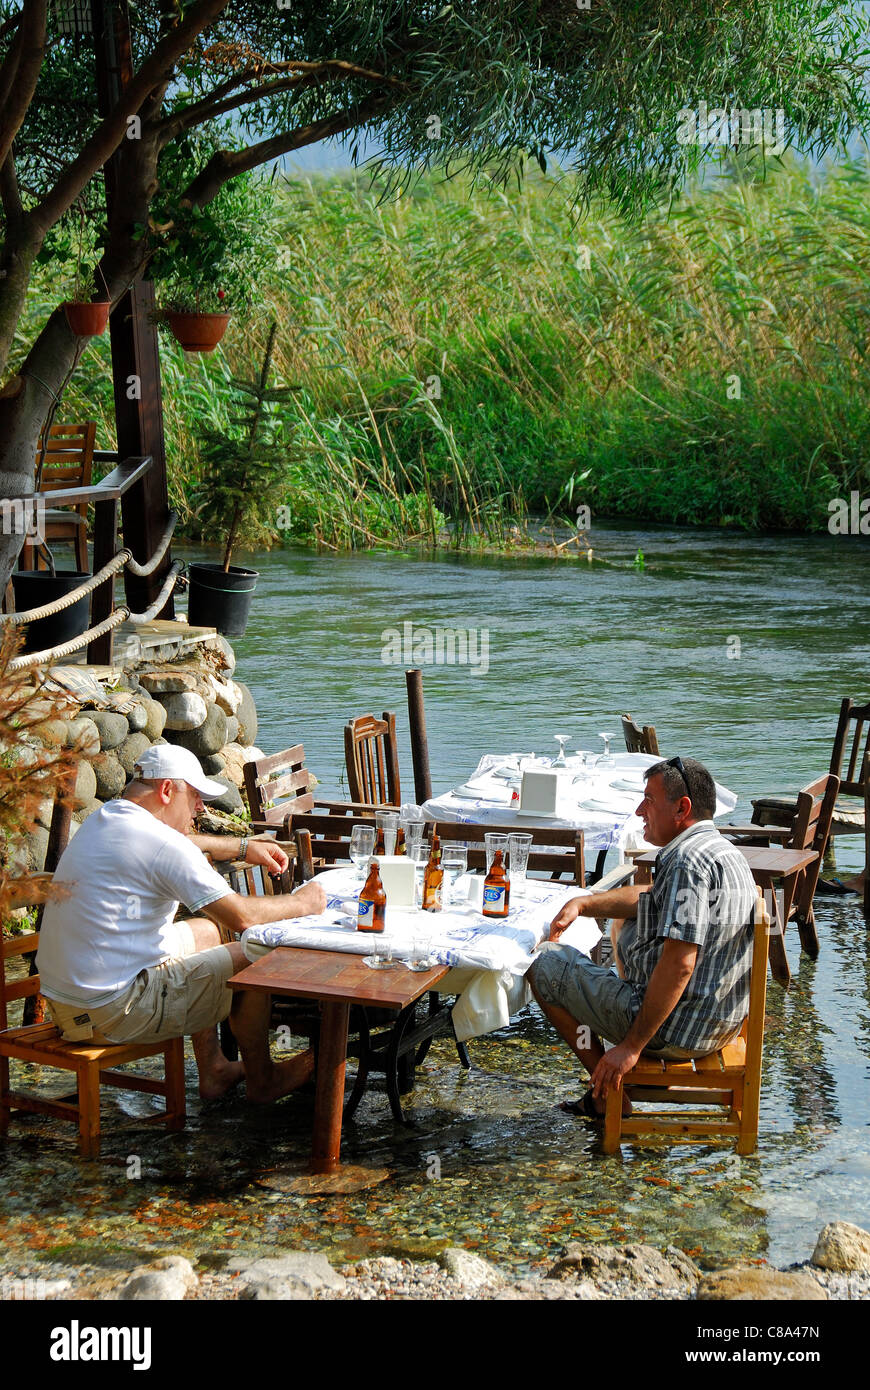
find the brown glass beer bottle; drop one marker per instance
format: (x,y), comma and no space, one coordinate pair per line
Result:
(496,889)
(372,910)
(433,878)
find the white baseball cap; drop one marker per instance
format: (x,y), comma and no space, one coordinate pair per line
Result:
(170,760)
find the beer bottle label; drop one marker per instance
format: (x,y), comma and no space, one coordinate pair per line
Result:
(494,898)
(365,914)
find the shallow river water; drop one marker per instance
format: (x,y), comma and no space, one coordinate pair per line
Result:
(739,651)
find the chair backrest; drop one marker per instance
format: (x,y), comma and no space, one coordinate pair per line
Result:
(323,837)
(372,760)
(31,891)
(555,850)
(252,881)
(859,747)
(637,739)
(69,458)
(278,785)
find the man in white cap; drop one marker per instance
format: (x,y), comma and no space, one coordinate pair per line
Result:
(114,964)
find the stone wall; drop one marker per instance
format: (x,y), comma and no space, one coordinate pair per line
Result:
(194,701)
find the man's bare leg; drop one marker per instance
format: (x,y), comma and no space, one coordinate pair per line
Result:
(571,1032)
(217,1074)
(265,1080)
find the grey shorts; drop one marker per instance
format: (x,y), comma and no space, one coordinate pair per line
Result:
(594,995)
(182,995)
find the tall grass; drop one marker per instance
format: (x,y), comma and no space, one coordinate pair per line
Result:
(455,357)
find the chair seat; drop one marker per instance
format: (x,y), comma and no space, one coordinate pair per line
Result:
(778,810)
(63,515)
(716,1067)
(44,1040)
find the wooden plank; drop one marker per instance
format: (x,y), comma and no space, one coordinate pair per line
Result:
(308,974)
(35,1105)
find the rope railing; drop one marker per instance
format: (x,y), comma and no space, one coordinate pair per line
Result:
(48,610)
(150,566)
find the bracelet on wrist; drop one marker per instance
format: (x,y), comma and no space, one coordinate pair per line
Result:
(243,848)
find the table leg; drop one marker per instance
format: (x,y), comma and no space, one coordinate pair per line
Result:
(329,1096)
(779,966)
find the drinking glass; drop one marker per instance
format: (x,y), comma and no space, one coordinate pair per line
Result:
(454,862)
(388,822)
(381,957)
(606,760)
(418,958)
(520,845)
(420,855)
(412,823)
(362,847)
(494,842)
(560,759)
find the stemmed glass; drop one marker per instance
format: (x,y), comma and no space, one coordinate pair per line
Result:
(362,847)
(560,760)
(454,862)
(605,760)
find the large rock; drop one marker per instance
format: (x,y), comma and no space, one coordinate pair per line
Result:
(247,715)
(746,1283)
(226,694)
(155,719)
(209,737)
(470,1270)
(29,855)
(113,728)
(131,750)
(641,1264)
(53,733)
(168,681)
(843,1247)
(184,712)
(83,732)
(111,777)
(231,801)
(86,785)
(86,811)
(137,717)
(297,1275)
(168,1279)
(213,764)
(228,656)
(232,729)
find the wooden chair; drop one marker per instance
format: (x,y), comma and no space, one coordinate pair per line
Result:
(560,852)
(637,739)
(93,1064)
(68,462)
(372,760)
(729,1078)
(810,829)
(849,818)
(279,787)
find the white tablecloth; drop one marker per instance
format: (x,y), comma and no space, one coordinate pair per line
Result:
(489,957)
(602,805)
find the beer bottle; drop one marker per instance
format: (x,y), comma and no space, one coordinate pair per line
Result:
(372,911)
(380,847)
(433,877)
(496,889)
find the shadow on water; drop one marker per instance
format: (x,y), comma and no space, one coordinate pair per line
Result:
(488,1161)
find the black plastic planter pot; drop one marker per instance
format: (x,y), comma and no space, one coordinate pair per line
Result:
(221,598)
(33,588)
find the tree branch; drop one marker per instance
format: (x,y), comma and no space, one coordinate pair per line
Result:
(20,71)
(10,195)
(110,133)
(226,164)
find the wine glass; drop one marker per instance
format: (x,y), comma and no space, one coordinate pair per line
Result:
(560,760)
(606,760)
(454,862)
(362,847)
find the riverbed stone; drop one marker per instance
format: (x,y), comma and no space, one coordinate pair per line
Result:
(84,734)
(137,717)
(213,764)
(131,750)
(470,1270)
(82,814)
(29,855)
(642,1264)
(113,728)
(746,1283)
(86,784)
(297,1274)
(168,1279)
(155,719)
(111,777)
(184,712)
(231,801)
(247,716)
(232,729)
(842,1247)
(226,694)
(208,737)
(168,681)
(52,733)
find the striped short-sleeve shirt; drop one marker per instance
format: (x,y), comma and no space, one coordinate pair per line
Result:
(702,893)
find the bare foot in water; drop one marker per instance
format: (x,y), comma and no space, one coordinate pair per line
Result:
(220,1079)
(282,1078)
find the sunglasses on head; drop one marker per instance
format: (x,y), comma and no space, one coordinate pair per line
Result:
(678,764)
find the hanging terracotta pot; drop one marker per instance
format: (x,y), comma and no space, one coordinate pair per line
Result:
(197,332)
(87,320)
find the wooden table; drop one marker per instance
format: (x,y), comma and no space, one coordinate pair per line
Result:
(769,864)
(337,980)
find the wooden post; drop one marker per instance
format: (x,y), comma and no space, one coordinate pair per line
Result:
(419,742)
(100,650)
(329,1096)
(135,356)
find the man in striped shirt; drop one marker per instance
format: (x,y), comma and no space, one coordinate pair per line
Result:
(683,945)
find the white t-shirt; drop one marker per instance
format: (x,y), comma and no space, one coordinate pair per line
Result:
(127,873)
